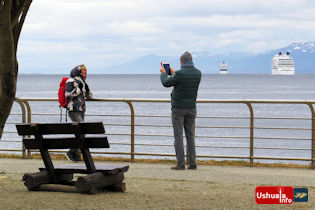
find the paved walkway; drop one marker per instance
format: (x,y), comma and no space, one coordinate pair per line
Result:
(156,186)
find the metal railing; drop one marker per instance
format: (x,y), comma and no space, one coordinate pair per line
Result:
(26,117)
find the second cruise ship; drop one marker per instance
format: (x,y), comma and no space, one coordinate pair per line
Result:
(282,64)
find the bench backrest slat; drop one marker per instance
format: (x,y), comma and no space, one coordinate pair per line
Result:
(65,143)
(60,128)
(78,140)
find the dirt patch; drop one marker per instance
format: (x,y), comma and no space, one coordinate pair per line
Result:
(155,186)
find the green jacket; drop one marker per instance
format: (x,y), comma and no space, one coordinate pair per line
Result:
(186,82)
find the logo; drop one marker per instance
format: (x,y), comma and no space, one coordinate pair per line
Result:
(300,195)
(274,195)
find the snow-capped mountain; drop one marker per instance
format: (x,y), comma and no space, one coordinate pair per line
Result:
(303,55)
(305,47)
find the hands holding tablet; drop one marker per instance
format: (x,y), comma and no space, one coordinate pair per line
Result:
(166,68)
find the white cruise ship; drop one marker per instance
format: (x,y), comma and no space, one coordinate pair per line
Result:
(282,64)
(223,68)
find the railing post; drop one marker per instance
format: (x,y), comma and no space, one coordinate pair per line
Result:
(132,131)
(313,134)
(251,149)
(29,120)
(23,121)
(29,111)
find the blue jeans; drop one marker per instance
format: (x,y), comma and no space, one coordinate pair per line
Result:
(184,119)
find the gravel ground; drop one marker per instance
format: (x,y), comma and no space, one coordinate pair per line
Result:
(155,186)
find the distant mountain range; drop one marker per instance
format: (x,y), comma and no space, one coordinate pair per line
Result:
(303,55)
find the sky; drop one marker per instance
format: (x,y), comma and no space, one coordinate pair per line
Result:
(58,35)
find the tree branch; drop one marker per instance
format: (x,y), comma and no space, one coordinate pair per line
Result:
(18,27)
(17,9)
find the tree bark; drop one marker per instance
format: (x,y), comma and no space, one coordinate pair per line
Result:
(12,16)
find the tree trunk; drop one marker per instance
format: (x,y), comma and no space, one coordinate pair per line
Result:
(12,16)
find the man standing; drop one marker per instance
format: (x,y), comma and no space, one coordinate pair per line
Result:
(185,82)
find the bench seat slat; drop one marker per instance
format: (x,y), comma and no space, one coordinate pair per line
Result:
(65,143)
(60,128)
(81,168)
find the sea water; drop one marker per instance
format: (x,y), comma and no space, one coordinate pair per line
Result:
(211,133)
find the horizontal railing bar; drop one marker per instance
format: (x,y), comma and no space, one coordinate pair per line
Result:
(228,137)
(205,156)
(152,115)
(282,128)
(120,125)
(282,158)
(230,147)
(211,137)
(111,153)
(171,145)
(12,123)
(9,132)
(11,141)
(216,127)
(108,115)
(167,126)
(233,157)
(49,114)
(92,152)
(283,138)
(152,125)
(198,101)
(247,127)
(201,117)
(117,134)
(200,146)
(124,144)
(221,117)
(259,118)
(11,150)
(232,137)
(282,118)
(282,148)
(157,154)
(208,117)
(227,117)
(102,115)
(257,101)
(225,147)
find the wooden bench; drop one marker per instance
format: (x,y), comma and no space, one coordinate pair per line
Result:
(100,177)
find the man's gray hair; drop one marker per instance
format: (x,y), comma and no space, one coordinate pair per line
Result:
(186,57)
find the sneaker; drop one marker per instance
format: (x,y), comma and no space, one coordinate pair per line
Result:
(192,167)
(178,168)
(70,156)
(77,156)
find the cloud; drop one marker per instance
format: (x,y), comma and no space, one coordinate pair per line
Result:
(104,33)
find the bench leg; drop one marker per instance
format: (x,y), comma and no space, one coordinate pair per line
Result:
(95,182)
(33,180)
(119,187)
